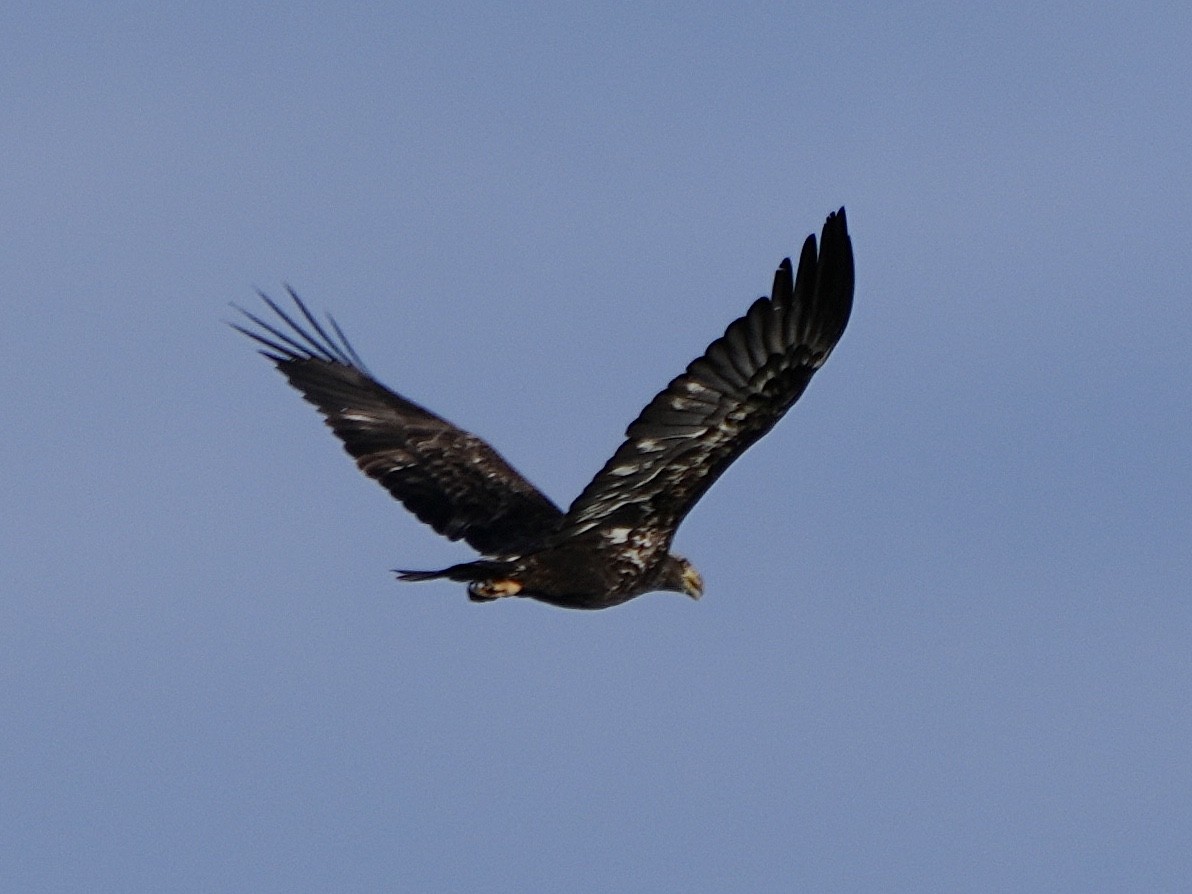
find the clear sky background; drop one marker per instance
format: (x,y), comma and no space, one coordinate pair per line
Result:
(946,643)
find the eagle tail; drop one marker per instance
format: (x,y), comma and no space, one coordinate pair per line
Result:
(467,572)
(417,576)
(486,579)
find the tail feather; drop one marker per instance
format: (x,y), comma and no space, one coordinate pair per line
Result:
(466,572)
(416,576)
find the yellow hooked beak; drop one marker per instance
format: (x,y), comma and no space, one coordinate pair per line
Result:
(693,584)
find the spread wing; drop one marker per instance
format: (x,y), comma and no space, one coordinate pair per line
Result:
(450,479)
(743,384)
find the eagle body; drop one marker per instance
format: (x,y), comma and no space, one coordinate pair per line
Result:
(613,542)
(565,575)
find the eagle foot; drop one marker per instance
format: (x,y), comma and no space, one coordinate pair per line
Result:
(494,589)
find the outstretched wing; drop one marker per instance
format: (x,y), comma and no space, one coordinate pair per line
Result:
(743,384)
(450,479)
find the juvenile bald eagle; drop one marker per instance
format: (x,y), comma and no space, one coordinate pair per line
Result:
(613,543)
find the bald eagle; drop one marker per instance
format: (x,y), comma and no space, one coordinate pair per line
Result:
(613,543)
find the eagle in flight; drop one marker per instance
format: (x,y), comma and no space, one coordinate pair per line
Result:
(613,543)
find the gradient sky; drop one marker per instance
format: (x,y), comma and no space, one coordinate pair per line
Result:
(946,643)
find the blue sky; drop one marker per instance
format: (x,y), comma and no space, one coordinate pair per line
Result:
(945,644)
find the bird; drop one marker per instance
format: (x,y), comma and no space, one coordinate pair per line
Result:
(614,541)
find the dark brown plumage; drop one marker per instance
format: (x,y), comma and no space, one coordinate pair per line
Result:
(613,543)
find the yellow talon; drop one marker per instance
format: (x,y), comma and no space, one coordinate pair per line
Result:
(495,588)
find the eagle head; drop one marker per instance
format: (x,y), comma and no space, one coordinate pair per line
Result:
(680,576)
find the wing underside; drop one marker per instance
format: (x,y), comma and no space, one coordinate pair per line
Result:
(728,398)
(450,479)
